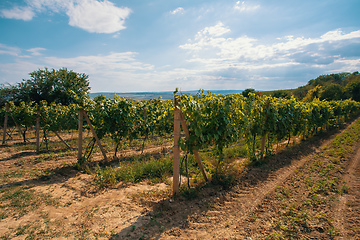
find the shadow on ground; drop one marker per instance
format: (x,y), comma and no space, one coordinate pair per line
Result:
(170,217)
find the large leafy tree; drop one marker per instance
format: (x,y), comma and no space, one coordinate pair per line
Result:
(352,89)
(247,92)
(59,86)
(332,91)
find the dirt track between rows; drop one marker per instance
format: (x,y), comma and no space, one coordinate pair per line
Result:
(144,211)
(349,210)
(228,214)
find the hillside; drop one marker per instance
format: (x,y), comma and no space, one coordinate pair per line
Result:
(335,86)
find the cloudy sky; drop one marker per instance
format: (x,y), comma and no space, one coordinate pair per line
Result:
(158,45)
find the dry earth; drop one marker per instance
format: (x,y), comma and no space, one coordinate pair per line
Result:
(145,211)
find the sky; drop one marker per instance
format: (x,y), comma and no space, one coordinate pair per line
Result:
(160,45)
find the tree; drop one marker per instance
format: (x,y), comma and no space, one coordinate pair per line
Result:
(352,89)
(7,93)
(332,91)
(247,91)
(60,86)
(69,82)
(313,93)
(281,94)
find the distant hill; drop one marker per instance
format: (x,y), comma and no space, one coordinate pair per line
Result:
(335,86)
(151,95)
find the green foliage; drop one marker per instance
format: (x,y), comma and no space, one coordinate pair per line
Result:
(247,92)
(222,120)
(59,86)
(20,200)
(281,94)
(333,86)
(213,120)
(332,92)
(313,93)
(137,171)
(352,89)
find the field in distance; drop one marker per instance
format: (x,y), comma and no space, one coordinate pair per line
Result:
(165,95)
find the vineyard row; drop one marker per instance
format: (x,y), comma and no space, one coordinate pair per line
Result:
(212,120)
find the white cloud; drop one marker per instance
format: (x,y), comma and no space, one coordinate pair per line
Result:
(244,57)
(7,50)
(179,10)
(215,31)
(242,6)
(249,49)
(20,13)
(36,51)
(14,72)
(53,5)
(99,17)
(346,65)
(124,61)
(91,15)
(338,35)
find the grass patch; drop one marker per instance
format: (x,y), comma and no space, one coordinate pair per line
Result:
(18,201)
(155,170)
(137,168)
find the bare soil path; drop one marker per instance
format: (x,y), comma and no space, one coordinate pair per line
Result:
(226,214)
(349,204)
(145,211)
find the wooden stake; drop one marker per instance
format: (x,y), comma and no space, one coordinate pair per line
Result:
(95,136)
(5,123)
(38,134)
(18,127)
(38,131)
(62,140)
(195,152)
(176,149)
(80,132)
(263,140)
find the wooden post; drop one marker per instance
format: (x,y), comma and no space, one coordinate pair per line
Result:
(62,140)
(5,123)
(195,152)
(17,125)
(263,140)
(80,132)
(95,136)
(176,149)
(38,131)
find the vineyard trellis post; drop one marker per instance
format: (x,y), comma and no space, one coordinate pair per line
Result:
(179,120)
(38,130)
(94,135)
(80,134)
(176,149)
(82,115)
(195,152)
(5,122)
(263,140)
(61,139)
(16,124)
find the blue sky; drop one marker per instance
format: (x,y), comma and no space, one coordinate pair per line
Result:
(158,45)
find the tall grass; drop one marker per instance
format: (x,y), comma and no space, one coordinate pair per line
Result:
(155,170)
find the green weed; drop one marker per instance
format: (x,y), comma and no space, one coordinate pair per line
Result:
(18,201)
(154,169)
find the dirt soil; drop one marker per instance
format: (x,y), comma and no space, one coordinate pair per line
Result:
(147,211)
